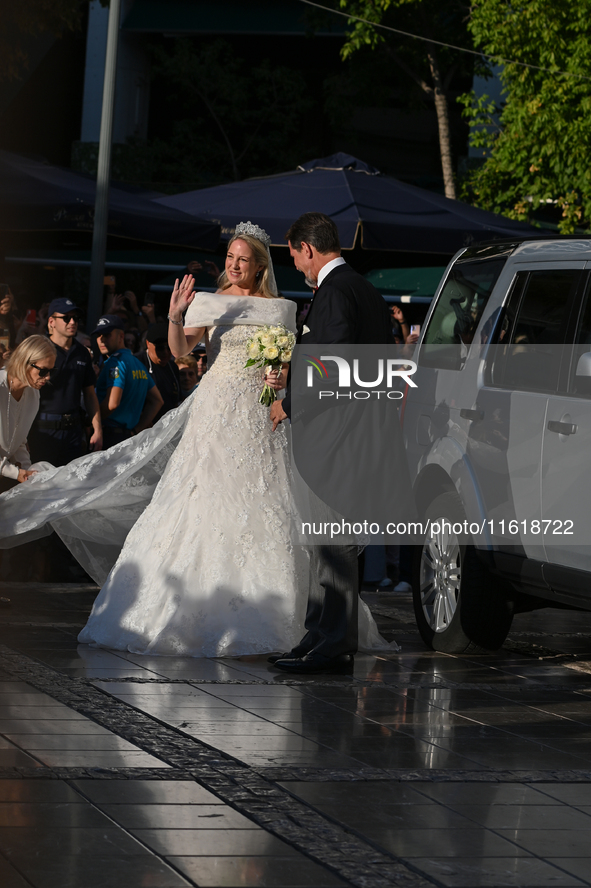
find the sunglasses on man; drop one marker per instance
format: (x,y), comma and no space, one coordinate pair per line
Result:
(42,371)
(67,318)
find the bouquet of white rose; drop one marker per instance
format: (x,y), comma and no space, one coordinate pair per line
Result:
(269,348)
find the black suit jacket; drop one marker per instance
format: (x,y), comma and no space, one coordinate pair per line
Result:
(346,309)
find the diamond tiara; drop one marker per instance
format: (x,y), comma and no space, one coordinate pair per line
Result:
(254,231)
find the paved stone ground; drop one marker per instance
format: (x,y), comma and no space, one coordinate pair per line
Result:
(419,769)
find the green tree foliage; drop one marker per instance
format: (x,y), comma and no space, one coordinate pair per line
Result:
(431,67)
(23,19)
(539,141)
(238,118)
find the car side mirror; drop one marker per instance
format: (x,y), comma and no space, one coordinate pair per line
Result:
(584,365)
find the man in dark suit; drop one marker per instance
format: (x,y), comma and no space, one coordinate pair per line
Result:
(346,309)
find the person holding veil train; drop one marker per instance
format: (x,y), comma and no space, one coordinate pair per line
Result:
(221,583)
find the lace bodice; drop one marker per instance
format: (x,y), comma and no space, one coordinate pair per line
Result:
(226,356)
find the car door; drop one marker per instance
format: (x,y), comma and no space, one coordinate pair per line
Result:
(566,454)
(522,371)
(445,345)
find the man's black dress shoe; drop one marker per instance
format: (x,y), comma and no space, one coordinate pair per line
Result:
(315,663)
(274,657)
(290,655)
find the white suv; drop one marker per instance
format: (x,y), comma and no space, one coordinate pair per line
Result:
(498,437)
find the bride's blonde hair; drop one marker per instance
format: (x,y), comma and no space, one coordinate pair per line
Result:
(261,257)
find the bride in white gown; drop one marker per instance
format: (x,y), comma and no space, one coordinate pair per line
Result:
(208,568)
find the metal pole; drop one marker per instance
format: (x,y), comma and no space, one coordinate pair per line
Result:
(101,207)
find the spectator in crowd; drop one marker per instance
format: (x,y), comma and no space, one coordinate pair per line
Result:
(157,358)
(27,371)
(188,375)
(148,312)
(131,307)
(128,398)
(109,289)
(84,339)
(201,357)
(401,327)
(125,306)
(33,322)
(57,434)
(92,348)
(42,317)
(194,267)
(28,327)
(132,341)
(10,319)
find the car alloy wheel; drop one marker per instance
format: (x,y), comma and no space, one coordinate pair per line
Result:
(440,576)
(460,607)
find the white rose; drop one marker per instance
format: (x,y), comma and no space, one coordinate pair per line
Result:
(282,341)
(267,339)
(271,352)
(253,350)
(286,356)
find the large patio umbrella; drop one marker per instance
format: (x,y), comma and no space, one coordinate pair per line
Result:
(35,196)
(389,214)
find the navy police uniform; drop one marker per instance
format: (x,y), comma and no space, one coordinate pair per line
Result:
(57,434)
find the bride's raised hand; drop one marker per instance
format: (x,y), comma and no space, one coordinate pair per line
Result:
(182,295)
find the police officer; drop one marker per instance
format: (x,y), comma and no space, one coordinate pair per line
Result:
(158,360)
(129,399)
(57,435)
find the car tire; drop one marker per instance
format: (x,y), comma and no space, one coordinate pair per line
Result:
(460,607)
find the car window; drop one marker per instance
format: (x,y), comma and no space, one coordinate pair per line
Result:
(528,355)
(458,311)
(580,382)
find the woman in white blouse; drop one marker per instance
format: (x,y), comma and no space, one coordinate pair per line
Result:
(27,370)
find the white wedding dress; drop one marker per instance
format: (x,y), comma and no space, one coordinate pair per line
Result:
(207,568)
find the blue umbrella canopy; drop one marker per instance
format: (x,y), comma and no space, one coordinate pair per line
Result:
(389,214)
(35,196)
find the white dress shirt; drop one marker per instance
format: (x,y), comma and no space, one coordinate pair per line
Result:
(326,269)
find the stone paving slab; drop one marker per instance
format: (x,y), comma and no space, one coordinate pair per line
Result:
(227,774)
